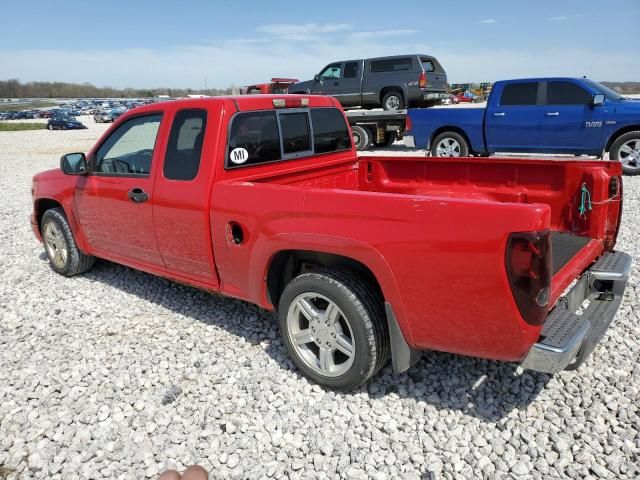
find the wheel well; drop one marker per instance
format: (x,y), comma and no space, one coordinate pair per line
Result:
(299,93)
(450,129)
(42,205)
(288,264)
(615,135)
(386,90)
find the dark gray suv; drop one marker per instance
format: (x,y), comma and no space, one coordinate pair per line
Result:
(392,83)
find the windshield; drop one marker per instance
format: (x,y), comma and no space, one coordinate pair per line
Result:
(611,94)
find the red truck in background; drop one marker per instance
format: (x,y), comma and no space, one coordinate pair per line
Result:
(276,86)
(263,198)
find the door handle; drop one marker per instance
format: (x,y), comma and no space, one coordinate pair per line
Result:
(553,114)
(499,114)
(137,195)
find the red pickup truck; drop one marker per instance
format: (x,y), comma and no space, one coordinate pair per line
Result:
(363,258)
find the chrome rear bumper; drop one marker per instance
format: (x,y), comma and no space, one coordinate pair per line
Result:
(567,338)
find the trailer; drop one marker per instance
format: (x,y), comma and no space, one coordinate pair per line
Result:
(376,128)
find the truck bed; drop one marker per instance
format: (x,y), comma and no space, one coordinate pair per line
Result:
(440,227)
(489,181)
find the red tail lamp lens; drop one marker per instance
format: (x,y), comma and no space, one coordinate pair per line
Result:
(529,272)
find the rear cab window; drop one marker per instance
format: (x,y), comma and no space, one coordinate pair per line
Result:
(184,147)
(428,65)
(525,93)
(259,137)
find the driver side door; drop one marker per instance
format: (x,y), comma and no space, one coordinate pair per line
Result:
(114,201)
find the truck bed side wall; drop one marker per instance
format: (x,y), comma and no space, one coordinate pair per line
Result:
(426,122)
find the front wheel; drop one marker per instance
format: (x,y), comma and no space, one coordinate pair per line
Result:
(449,144)
(626,148)
(64,255)
(334,328)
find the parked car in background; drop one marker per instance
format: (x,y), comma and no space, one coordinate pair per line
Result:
(465,97)
(364,259)
(64,123)
(392,83)
(537,115)
(104,116)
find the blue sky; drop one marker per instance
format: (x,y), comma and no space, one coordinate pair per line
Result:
(178,44)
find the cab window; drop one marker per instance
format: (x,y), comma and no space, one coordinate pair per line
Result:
(184,148)
(332,71)
(567,93)
(525,93)
(129,149)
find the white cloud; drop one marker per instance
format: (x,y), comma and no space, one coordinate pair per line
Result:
(558,18)
(383,33)
(287,29)
(247,61)
(487,21)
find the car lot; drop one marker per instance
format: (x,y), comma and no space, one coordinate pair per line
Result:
(118,374)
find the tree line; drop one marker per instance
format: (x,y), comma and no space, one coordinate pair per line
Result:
(15,89)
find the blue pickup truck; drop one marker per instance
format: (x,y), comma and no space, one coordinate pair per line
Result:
(537,115)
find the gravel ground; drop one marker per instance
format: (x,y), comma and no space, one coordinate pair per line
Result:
(118,374)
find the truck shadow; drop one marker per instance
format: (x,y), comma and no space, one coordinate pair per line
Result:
(485,389)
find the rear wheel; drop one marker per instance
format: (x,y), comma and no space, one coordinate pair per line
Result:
(361,137)
(334,328)
(50,127)
(626,149)
(64,255)
(393,101)
(449,144)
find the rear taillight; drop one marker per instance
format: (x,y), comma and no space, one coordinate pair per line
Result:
(529,272)
(614,213)
(422,82)
(408,126)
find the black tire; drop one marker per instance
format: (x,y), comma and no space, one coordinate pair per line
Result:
(629,166)
(462,149)
(361,137)
(391,99)
(50,127)
(361,305)
(76,261)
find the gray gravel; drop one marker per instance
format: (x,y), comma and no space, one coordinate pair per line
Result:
(118,374)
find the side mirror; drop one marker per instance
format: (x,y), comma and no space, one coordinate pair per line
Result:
(74,164)
(598,100)
(316,77)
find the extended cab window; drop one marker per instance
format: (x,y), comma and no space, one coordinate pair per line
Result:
(520,94)
(254,138)
(184,147)
(129,149)
(332,71)
(330,132)
(391,65)
(567,93)
(351,70)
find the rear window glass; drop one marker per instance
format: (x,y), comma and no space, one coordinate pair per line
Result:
(391,65)
(428,65)
(567,93)
(296,135)
(254,138)
(519,94)
(330,132)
